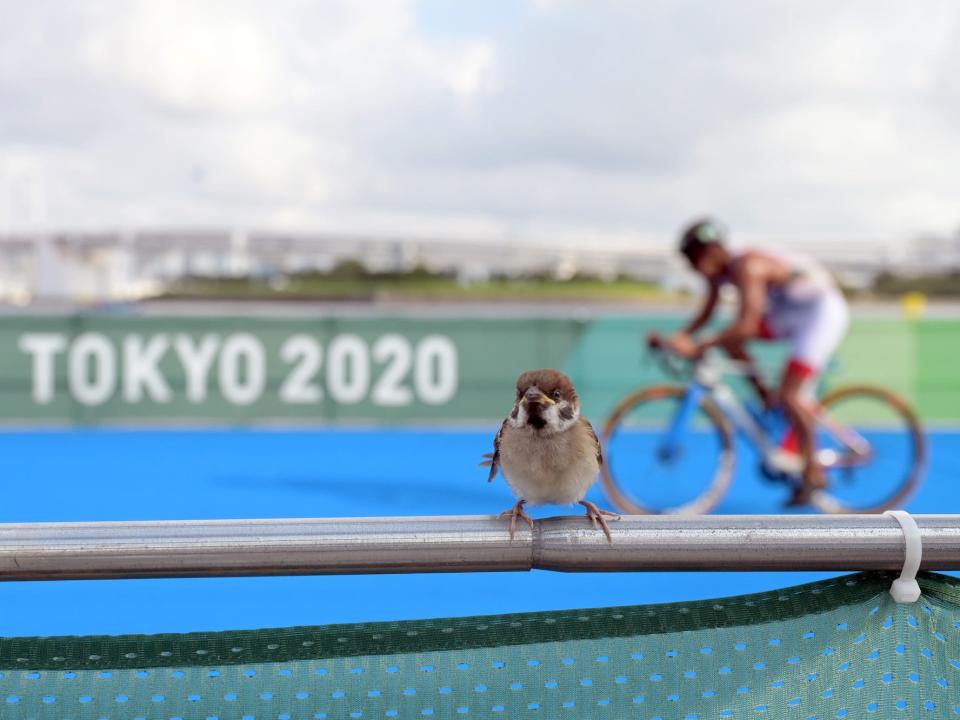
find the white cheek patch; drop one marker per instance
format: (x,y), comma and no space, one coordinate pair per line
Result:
(556,419)
(552,415)
(518,417)
(556,422)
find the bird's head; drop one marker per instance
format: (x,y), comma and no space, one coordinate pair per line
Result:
(546,401)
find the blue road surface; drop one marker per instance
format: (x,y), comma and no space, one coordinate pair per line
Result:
(82,475)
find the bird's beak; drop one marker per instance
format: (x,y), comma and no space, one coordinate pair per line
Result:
(536,395)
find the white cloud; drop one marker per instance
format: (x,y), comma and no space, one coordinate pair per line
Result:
(187,57)
(790,119)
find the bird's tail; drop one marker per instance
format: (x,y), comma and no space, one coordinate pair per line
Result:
(489,460)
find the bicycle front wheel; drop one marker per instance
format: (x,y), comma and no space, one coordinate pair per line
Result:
(872,450)
(652,466)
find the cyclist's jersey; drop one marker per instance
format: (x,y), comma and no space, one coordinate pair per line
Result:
(807,309)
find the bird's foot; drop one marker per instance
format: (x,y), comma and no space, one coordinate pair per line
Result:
(516,512)
(598,517)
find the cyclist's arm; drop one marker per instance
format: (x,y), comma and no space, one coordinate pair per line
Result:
(709,305)
(751,280)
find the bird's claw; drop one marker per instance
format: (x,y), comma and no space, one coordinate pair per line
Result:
(513,513)
(597,519)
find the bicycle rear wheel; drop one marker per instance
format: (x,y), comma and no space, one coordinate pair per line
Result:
(645,471)
(872,450)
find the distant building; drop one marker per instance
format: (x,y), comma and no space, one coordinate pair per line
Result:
(104,267)
(932,253)
(98,267)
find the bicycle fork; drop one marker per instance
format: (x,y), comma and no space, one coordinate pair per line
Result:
(670,448)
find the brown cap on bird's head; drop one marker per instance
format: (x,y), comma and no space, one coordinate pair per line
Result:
(552,383)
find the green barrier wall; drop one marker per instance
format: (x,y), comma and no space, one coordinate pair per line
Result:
(840,648)
(92,369)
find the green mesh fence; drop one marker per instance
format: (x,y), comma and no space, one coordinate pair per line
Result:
(839,648)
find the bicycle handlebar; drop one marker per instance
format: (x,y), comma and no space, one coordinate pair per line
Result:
(670,363)
(679,367)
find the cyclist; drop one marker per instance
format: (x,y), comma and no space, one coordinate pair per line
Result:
(782,296)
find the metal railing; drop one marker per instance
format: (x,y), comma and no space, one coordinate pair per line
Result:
(209,548)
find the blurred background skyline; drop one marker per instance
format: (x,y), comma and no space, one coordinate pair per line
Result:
(144,141)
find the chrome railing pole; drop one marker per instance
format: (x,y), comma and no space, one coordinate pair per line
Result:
(475,543)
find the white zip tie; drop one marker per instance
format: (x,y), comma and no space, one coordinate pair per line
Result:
(905,588)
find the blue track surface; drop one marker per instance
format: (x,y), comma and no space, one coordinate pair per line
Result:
(117,475)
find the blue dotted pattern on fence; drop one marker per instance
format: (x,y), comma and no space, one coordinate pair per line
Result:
(840,648)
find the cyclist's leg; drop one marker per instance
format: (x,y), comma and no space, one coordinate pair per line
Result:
(796,399)
(815,338)
(738,351)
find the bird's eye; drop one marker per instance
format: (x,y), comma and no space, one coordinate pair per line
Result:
(556,394)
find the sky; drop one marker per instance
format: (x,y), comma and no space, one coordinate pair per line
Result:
(591,121)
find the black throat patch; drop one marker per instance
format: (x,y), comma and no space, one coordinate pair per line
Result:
(536,421)
(535,417)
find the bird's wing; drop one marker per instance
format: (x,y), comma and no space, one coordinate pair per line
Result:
(492,459)
(596,443)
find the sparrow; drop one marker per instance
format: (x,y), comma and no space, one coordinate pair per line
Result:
(546,451)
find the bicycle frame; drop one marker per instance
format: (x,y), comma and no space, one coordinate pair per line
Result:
(708,380)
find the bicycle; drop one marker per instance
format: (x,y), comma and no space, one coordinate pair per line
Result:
(649,436)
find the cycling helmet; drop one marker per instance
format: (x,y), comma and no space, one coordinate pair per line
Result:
(700,234)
